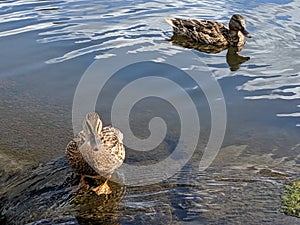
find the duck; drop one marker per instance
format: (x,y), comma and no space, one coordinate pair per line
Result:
(96,152)
(212,33)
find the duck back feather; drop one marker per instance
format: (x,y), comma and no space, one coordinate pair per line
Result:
(204,32)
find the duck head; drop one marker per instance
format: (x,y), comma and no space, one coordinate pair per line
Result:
(92,126)
(237,23)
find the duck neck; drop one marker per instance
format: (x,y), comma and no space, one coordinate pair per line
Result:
(236,38)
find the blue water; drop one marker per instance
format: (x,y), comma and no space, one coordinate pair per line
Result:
(47,47)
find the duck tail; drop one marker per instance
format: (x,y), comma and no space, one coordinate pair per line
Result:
(170,21)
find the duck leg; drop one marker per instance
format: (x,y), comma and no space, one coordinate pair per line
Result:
(82,184)
(103,188)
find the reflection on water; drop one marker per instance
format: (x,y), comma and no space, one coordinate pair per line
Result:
(185,42)
(44,195)
(96,28)
(233,59)
(46,47)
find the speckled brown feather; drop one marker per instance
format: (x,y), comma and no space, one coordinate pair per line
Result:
(205,32)
(75,159)
(110,140)
(210,32)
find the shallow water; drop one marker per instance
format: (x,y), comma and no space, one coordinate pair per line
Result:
(46,47)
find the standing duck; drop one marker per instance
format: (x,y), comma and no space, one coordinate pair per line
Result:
(96,151)
(210,32)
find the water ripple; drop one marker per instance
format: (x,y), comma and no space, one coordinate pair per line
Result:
(94,29)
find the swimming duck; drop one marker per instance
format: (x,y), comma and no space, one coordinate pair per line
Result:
(96,151)
(210,32)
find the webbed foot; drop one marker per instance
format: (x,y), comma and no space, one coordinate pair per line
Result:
(102,189)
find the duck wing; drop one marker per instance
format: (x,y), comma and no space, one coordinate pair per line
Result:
(112,139)
(205,32)
(76,160)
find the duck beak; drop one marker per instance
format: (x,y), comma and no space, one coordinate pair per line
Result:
(96,143)
(246,33)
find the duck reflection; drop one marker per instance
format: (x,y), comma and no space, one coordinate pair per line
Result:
(106,208)
(233,59)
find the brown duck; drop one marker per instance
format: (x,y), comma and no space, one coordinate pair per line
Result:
(210,32)
(96,151)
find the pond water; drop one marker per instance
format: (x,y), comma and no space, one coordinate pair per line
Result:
(47,47)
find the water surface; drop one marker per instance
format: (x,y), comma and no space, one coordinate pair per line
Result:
(46,46)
